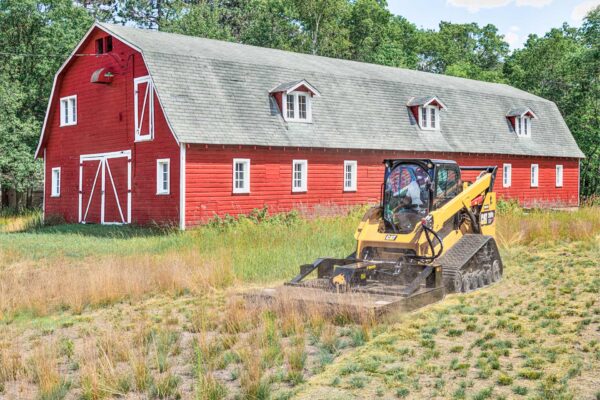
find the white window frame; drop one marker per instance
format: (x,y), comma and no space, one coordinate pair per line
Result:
(507,175)
(55,182)
(246,182)
(353,177)
(425,118)
(68,111)
(160,190)
(535,177)
(296,117)
(523,126)
(303,177)
(559,175)
(150,104)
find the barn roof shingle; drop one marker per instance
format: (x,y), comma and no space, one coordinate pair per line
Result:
(216,92)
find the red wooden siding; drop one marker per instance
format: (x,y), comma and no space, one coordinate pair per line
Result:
(209,178)
(105,123)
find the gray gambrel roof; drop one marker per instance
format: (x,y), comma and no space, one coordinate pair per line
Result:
(216,92)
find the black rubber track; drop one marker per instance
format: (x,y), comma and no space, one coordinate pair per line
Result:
(474,262)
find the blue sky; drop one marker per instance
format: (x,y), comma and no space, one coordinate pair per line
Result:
(515,19)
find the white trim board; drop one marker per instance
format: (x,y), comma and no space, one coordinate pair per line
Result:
(182,157)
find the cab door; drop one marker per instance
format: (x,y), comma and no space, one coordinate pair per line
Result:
(447,184)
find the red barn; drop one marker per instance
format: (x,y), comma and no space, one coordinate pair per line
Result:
(146,126)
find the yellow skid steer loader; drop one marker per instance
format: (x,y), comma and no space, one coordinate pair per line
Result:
(432,234)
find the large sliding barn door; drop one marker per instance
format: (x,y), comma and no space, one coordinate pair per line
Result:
(105,188)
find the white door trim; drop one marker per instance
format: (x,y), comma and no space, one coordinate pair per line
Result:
(103,164)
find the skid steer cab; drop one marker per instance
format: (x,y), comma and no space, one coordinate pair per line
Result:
(433,233)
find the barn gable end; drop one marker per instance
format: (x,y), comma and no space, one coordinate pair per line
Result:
(124,188)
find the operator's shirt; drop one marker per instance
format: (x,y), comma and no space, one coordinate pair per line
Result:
(414,191)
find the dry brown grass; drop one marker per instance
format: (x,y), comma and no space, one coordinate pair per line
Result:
(519,227)
(60,284)
(43,368)
(12,365)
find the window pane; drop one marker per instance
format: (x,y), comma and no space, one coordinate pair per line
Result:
(165,177)
(348,175)
(73,110)
(239,175)
(298,176)
(423,117)
(302,107)
(433,114)
(65,117)
(559,175)
(447,186)
(290,106)
(56,182)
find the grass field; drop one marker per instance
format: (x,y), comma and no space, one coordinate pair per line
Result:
(90,312)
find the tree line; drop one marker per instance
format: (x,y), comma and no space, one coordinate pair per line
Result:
(37,36)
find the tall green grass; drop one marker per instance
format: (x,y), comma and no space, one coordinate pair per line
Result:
(260,251)
(256,252)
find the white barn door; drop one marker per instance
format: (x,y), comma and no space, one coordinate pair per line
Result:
(105,188)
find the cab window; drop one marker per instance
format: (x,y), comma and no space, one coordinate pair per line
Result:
(406,197)
(447,185)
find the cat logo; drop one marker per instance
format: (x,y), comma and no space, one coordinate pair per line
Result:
(391,237)
(339,280)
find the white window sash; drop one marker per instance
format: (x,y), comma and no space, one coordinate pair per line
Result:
(559,175)
(523,126)
(350,168)
(507,175)
(296,107)
(535,169)
(144,112)
(245,172)
(55,182)
(68,111)
(426,118)
(163,180)
(303,176)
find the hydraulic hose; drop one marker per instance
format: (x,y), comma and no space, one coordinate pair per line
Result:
(434,255)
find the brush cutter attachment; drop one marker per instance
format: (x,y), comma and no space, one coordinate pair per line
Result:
(358,287)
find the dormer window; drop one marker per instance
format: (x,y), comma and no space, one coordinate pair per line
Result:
(426,111)
(428,117)
(297,107)
(523,126)
(295,100)
(520,119)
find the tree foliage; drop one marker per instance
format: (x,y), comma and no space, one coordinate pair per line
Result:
(37,36)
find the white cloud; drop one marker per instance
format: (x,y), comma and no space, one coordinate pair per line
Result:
(474,6)
(533,3)
(512,39)
(581,10)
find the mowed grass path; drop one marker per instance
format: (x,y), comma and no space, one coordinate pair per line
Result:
(534,335)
